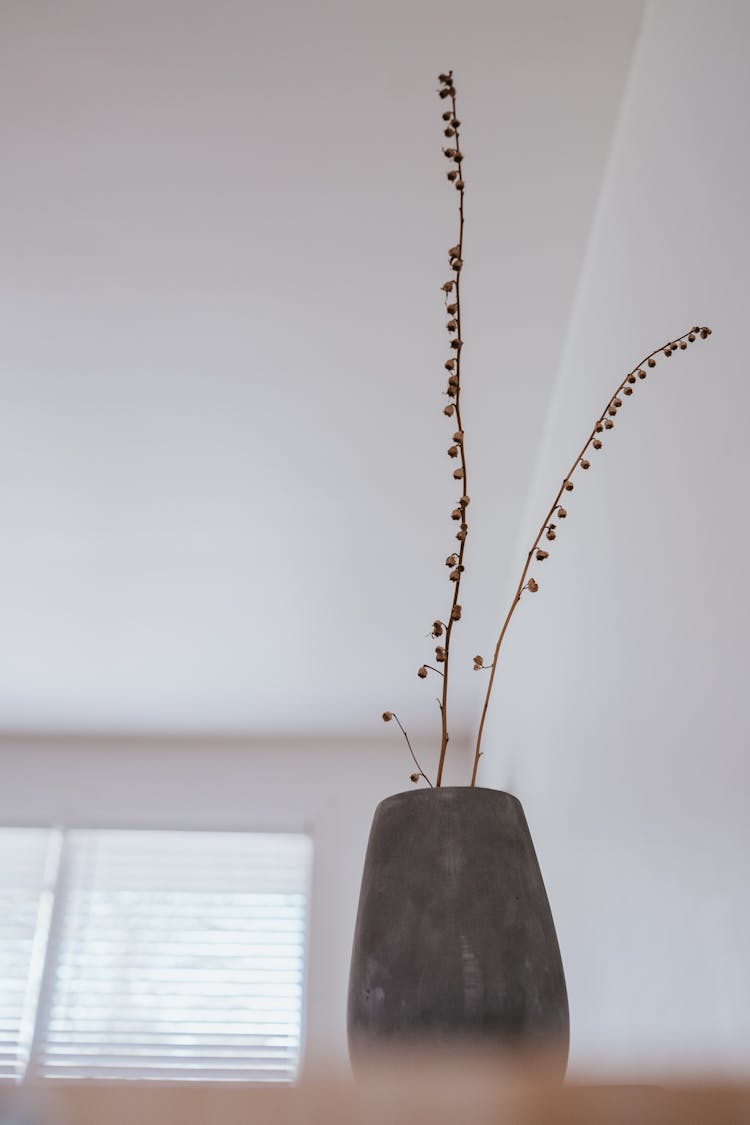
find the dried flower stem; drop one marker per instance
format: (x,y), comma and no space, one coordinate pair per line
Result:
(613,405)
(456,315)
(411,751)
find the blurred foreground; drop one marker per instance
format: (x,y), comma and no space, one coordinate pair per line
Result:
(409,1088)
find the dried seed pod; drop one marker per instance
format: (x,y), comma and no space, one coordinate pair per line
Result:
(453,380)
(453,451)
(455,344)
(551,534)
(617,402)
(452,324)
(449,364)
(449,132)
(461,534)
(667,352)
(596,443)
(451,309)
(569,486)
(422,672)
(585,464)
(387,716)
(454,252)
(456,514)
(444,92)
(447,286)
(456,122)
(437,628)
(691,337)
(478,663)
(448,409)
(454,574)
(452,175)
(465,501)
(541,555)
(445,78)
(683,345)
(631,378)
(451,560)
(460,185)
(612,411)
(562,512)
(458,473)
(651,361)
(440,654)
(414,777)
(456,613)
(598,427)
(458,436)
(458,156)
(532,585)
(447,115)
(608,425)
(627,390)
(641,373)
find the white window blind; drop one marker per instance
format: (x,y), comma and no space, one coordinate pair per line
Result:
(171,955)
(28,869)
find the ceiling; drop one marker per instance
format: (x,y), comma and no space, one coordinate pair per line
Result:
(224,494)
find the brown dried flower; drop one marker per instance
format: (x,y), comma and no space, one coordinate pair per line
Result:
(608,425)
(387,716)
(451,560)
(456,613)
(458,473)
(569,486)
(414,777)
(533,585)
(596,443)
(651,361)
(562,513)
(422,672)
(478,663)
(541,555)
(585,464)
(449,409)
(453,451)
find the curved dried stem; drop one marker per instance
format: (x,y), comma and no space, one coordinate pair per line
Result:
(610,410)
(411,751)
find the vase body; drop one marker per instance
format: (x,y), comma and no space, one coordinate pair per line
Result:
(454,940)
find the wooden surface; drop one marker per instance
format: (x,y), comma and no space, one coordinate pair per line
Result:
(449,1092)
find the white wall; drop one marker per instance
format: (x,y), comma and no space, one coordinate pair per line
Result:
(621,717)
(327,788)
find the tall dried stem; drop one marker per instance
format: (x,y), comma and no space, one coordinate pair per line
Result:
(457,450)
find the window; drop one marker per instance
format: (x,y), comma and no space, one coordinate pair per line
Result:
(163,955)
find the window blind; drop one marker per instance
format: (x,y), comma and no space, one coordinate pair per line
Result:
(176,955)
(28,870)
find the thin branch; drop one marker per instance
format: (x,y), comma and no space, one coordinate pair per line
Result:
(610,410)
(416,763)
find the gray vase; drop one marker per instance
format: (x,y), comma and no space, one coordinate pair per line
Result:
(454,939)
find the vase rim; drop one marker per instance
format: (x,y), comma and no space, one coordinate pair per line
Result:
(434,793)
